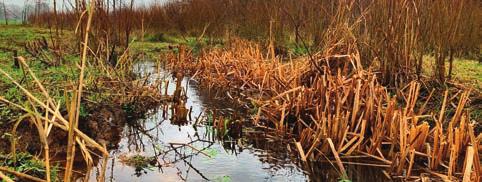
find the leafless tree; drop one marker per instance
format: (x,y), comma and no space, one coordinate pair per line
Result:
(5,12)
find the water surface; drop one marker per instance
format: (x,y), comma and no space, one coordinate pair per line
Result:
(164,139)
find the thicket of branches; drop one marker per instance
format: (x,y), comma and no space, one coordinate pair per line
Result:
(393,35)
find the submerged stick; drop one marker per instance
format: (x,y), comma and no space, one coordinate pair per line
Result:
(190,146)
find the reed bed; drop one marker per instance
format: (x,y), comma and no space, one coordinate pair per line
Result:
(337,108)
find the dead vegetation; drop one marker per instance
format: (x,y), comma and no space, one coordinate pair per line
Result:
(47,54)
(357,91)
(343,110)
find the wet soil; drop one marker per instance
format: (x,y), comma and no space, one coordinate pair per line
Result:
(102,125)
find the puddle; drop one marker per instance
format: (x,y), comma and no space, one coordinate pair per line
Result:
(177,151)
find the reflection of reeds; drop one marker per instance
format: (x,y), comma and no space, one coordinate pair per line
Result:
(342,112)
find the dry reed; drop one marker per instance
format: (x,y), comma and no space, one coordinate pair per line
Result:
(343,110)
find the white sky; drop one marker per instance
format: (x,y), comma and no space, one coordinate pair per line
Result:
(59,2)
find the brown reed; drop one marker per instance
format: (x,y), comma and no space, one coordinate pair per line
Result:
(343,110)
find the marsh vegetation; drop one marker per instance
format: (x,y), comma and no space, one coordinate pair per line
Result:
(214,90)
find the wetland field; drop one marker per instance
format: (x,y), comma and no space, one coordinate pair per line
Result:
(260,90)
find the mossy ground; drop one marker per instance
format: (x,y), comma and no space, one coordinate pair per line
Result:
(155,43)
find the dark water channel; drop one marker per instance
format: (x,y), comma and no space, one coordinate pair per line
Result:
(170,150)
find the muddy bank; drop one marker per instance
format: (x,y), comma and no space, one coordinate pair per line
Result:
(103,123)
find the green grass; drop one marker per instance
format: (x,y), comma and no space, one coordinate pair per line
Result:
(20,33)
(54,78)
(150,48)
(155,43)
(468,72)
(11,21)
(29,164)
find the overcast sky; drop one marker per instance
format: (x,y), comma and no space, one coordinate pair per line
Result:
(21,2)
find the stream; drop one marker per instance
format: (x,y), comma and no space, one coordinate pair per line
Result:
(250,158)
(167,147)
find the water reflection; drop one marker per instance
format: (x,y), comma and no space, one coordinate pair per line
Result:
(198,136)
(179,141)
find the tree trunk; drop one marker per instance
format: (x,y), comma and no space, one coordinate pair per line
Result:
(5,12)
(440,67)
(16,63)
(451,60)
(55,19)
(24,12)
(419,64)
